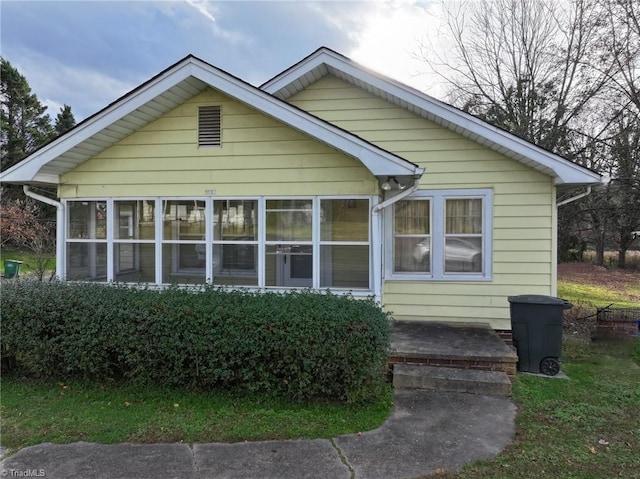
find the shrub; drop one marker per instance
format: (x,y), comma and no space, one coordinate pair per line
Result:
(302,345)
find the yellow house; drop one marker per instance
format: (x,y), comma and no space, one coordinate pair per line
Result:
(329,176)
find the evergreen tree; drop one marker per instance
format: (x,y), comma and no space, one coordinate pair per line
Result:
(64,120)
(24,124)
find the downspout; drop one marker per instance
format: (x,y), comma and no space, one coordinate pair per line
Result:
(574,198)
(375,220)
(554,271)
(59,226)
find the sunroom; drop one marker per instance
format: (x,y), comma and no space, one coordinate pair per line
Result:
(289,242)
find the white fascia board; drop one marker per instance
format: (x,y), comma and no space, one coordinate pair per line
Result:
(296,71)
(563,170)
(27,170)
(377,161)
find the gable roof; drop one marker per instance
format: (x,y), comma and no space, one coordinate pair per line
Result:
(325,61)
(169,89)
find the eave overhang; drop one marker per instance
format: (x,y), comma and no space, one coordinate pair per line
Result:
(328,62)
(166,91)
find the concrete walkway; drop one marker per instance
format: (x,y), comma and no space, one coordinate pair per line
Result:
(427,430)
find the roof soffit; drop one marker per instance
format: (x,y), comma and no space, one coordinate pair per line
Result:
(325,61)
(168,90)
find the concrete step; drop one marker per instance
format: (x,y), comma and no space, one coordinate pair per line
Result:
(416,376)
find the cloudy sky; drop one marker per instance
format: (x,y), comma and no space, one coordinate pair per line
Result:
(88,53)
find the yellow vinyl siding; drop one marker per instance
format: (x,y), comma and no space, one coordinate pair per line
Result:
(258,156)
(523,205)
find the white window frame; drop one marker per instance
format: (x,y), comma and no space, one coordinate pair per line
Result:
(209,242)
(221,242)
(320,242)
(108,239)
(113,219)
(438,219)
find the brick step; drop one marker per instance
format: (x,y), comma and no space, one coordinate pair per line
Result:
(474,381)
(506,363)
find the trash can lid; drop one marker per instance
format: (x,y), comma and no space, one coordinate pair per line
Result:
(537,299)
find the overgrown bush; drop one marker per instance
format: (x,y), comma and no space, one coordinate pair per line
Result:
(302,345)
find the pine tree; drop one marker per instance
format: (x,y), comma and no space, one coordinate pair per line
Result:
(64,120)
(24,124)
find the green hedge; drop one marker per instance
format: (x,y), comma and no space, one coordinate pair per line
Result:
(302,345)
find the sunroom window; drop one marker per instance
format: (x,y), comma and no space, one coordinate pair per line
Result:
(279,243)
(183,241)
(134,241)
(87,241)
(235,242)
(344,240)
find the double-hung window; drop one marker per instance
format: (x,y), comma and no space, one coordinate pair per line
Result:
(441,235)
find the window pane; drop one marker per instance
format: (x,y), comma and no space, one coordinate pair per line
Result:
(87,219)
(412,217)
(184,220)
(344,220)
(289,220)
(135,263)
(343,266)
(464,216)
(235,220)
(134,220)
(412,254)
(235,264)
(289,265)
(87,261)
(183,263)
(463,255)
(230,257)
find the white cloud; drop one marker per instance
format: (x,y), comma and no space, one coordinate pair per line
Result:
(86,91)
(211,13)
(203,8)
(388,35)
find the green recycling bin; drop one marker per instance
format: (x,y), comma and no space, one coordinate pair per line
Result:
(11,268)
(536,326)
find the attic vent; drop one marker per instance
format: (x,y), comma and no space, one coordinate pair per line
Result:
(209,129)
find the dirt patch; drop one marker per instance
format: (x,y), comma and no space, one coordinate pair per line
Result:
(587,273)
(580,321)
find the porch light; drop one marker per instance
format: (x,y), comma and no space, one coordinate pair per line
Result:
(392,183)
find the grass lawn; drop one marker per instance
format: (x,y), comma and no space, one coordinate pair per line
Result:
(586,427)
(28,259)
(36,411)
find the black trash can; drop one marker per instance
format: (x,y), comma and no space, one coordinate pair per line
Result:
(536,325)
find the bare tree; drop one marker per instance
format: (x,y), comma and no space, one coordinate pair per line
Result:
(22,226)
(565,76)
(523,64)
(622,39)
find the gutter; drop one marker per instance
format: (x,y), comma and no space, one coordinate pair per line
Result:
(574,198)
(59,226)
